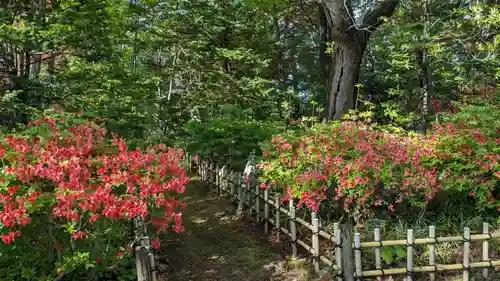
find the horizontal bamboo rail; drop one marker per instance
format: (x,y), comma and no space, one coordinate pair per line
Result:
(430,268)
(426,241)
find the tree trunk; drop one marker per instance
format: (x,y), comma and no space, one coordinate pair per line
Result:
(345,70)
(351,37)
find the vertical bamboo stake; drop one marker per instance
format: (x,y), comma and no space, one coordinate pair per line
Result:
(257,203)
(338,250)
(227,179)
(277,214)
(409,254)
(249,197)
(241,184)
(315,240)
(432,251)
(200,169)
(378,263)
(486,230)
(152,264)
(357,254)
(223,180)
(204,169)
(207,176)
(217,178)
(466,253)
(211,172)
(266,211)
(142,259)
(293,228)
(231,182)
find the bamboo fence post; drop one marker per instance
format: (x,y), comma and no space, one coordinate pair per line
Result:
(466,253)
(357,255)
(228,179)
(152,264)
(231,182)
(348,252)
(204,170)
(293,228)
(315,240)
(249,196)
(277,214)
(142,257)
(207,175)
(221,181)
(485,254)
(257,203)
(200,169)
(224,180)
(409,255)
(378,263)
(338,250)
(432,251)
(266,211)
(211,173)
(217,178)
(241,185)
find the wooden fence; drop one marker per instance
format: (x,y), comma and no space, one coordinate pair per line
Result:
(269,209)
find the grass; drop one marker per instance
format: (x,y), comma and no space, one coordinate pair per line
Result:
(218,246)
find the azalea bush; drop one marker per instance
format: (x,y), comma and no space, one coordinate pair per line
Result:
(362,169)
(365,171)
(469,153)
(68,193)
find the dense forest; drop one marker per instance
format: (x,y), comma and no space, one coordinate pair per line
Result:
(382,110)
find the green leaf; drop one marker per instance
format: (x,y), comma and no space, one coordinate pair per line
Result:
(387,255)
(400,251)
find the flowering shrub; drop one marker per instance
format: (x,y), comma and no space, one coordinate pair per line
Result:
(66,178)
(365,170)
(469,153)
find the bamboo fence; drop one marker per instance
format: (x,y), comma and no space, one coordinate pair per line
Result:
(268,209)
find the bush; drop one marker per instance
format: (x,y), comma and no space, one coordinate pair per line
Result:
(227,138)
(68,193)
(365,170)
(468,152)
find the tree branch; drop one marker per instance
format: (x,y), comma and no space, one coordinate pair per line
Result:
(382,8)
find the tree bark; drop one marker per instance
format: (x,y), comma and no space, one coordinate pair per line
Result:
(341,93)
(351,37)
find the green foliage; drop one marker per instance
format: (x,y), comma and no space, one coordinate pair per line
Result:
(229,137)
(469,144)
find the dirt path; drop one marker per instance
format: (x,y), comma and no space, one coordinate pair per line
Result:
(217,246)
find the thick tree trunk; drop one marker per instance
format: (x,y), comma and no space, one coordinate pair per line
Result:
(351,36)
(345,70)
